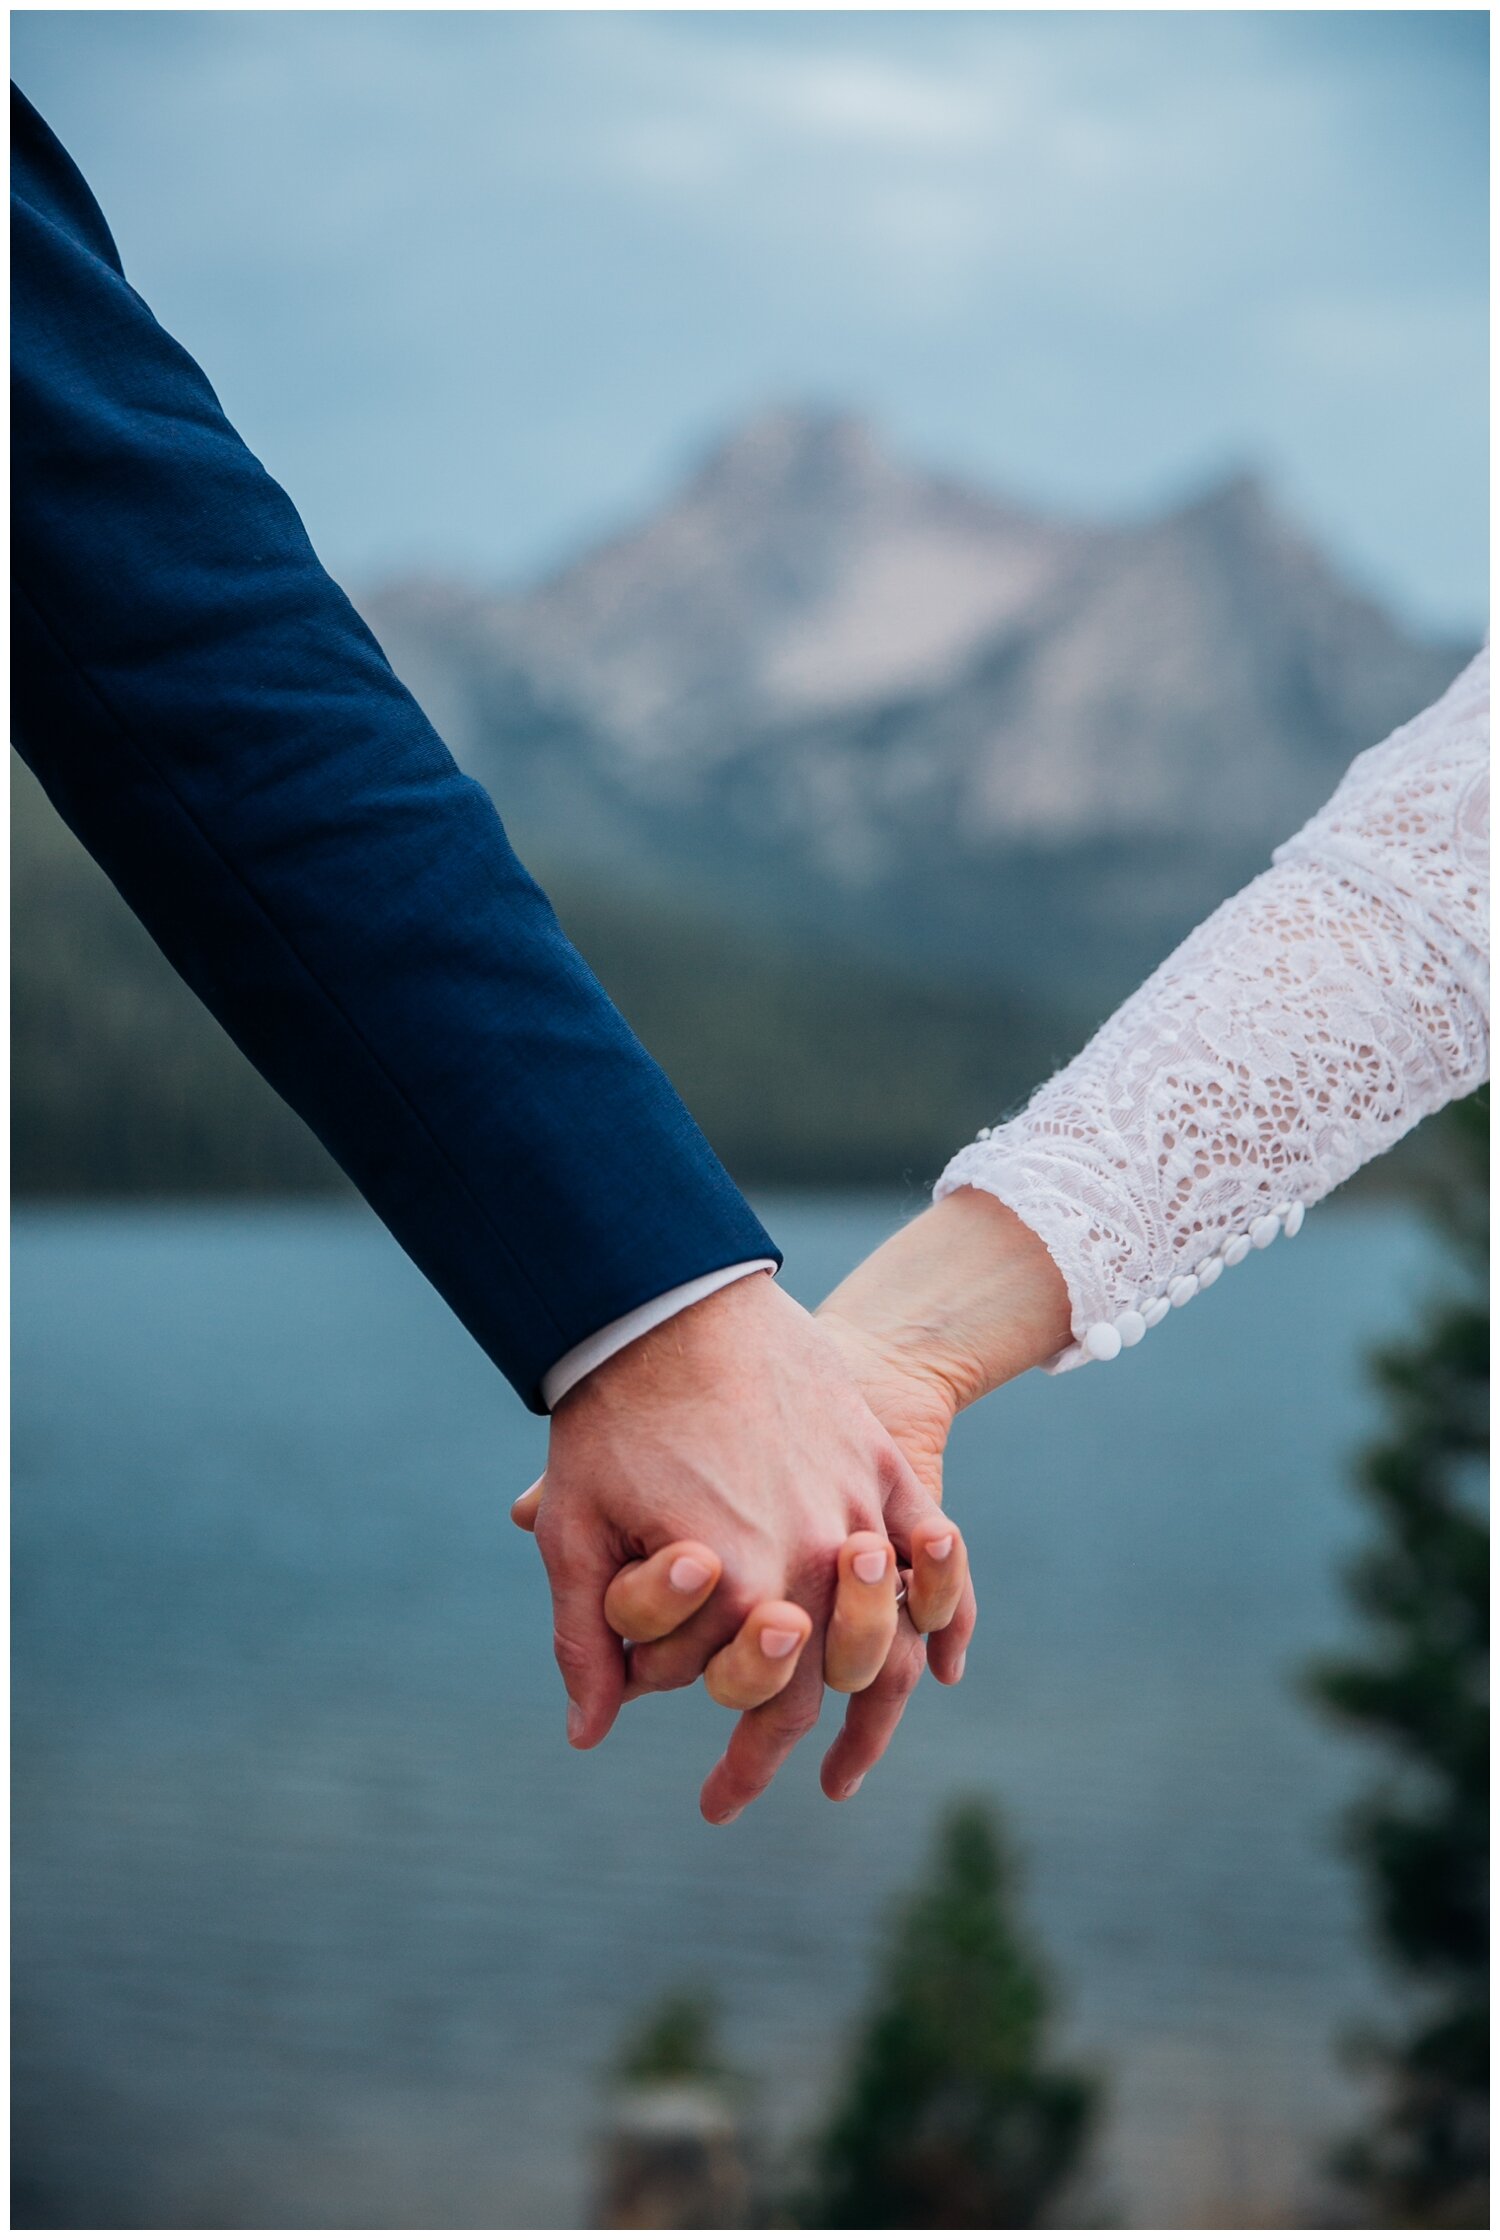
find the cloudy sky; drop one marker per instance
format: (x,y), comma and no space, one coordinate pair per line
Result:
(477,285)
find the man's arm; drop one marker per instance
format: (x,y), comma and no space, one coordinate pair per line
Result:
(224,735)
(213,720)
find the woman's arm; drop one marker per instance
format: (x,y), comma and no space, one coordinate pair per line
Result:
(1300,1031)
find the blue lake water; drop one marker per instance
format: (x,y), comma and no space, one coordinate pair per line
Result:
(318,1922)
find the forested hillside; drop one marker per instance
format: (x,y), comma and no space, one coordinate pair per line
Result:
(801,1069)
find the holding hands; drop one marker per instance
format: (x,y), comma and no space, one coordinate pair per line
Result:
(752,1495)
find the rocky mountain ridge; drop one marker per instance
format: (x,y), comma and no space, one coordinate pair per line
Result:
(825,691)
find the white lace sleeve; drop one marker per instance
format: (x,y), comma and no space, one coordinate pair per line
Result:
(1301,1030)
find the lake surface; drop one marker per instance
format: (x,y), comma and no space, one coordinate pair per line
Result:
(319,1923)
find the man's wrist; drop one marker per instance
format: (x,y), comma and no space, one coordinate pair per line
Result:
(582,1360)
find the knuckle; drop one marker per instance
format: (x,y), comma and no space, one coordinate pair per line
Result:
(558,1545)
(551,1520)
(775,1729)
(571,1648)
(903,1672)
(792,1724)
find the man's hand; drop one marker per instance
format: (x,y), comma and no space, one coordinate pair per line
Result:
(734,1427)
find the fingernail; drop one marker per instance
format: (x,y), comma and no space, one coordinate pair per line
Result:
(778,1643)
(688,1574)
(852,1788)
(577,1720)
(870,1566)
(941,1550)
(958,1669)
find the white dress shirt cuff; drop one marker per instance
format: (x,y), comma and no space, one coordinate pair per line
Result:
(574,1366)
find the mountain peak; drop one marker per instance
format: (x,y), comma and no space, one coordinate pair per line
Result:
(801,449)
(1240,499)
(882,665)
(1235,522)
(803,566)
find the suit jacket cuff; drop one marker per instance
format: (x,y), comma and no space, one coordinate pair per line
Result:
(615,1336)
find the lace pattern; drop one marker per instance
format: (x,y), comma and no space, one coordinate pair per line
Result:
(1301,1030)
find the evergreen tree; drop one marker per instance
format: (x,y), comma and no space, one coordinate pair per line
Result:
(953,2115)
(676,2156)
(675,2042)
(1420,1687)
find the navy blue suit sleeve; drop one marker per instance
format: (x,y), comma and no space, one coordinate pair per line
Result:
(222,732)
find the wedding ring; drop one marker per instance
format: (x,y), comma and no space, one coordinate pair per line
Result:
(900,1592)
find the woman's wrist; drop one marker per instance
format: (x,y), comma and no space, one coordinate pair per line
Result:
(965,1298)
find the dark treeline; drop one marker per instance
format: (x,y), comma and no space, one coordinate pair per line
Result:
(803,1068)
(804,1064)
